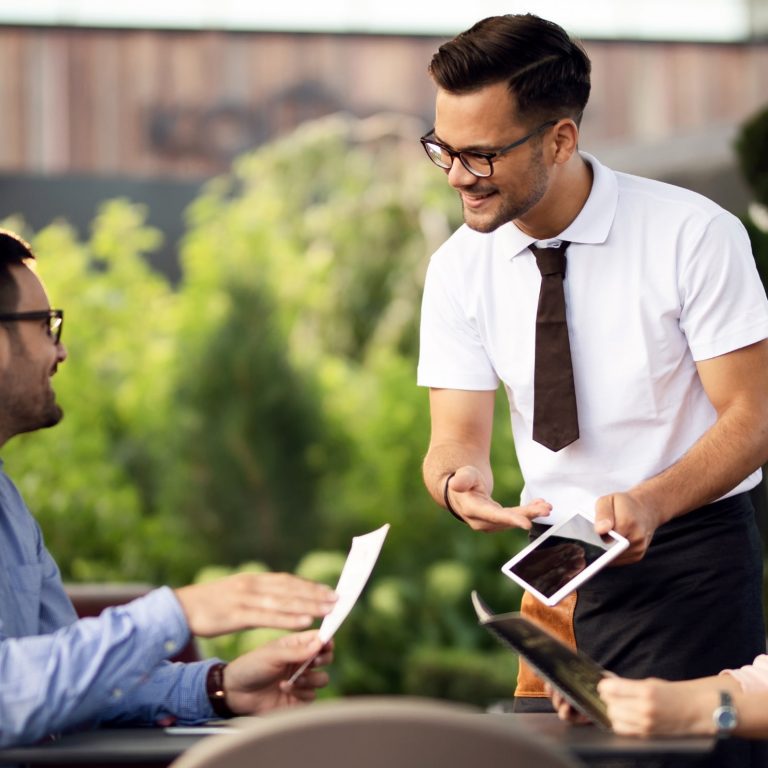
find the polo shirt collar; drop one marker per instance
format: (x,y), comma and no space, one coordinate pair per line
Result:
(594,221)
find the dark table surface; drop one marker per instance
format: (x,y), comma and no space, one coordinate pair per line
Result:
(157,746)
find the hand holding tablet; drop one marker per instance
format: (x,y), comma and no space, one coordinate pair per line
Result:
(564,557)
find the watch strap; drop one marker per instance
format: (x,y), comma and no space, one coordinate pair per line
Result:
(214,687)
(725,717)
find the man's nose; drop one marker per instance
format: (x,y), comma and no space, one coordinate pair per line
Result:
(459,176)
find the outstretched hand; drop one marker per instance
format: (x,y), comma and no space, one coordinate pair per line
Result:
(248,600)
(469,497)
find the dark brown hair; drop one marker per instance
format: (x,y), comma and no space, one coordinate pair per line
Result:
(13,250)
(545,70)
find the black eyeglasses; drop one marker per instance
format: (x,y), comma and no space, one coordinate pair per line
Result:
(55,318)
(477,163)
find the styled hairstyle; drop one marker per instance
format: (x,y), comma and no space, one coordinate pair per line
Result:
(13,250)
(546,71)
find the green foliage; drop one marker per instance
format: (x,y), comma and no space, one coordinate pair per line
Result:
(461,675)
(759,239)
(752,151)
(751,147)
(265,409)
(90,480)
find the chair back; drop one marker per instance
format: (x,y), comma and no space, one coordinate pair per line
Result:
(377,732)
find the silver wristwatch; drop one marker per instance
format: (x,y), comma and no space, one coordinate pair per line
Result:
(725,717)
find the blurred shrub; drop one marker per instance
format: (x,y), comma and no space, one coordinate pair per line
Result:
(265,409)
(752,152)
(751,147)
(461,675)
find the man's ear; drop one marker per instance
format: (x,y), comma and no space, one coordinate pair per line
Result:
(565,140)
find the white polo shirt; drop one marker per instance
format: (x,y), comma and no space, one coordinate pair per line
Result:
(657,277)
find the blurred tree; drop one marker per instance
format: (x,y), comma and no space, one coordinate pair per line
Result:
(751,147)
(245,475)
(267,407)
(752,152)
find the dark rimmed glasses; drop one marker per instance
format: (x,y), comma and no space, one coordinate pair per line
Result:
(55,318)
(477,163)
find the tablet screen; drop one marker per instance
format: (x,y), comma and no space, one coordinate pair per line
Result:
(560,555)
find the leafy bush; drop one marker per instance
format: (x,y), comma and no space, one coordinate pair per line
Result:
(265,408)
(461,675)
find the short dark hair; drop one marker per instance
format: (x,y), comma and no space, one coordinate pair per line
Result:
(546,71)
(13,250)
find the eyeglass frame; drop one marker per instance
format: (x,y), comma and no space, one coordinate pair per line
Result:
(489,156)
(51,315)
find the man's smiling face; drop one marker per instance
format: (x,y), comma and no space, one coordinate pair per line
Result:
(485,120)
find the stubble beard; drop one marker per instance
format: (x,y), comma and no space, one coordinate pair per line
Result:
(24,409)
(513,209)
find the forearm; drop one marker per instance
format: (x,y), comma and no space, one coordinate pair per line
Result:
(731,449)
(752,713)
(700,699)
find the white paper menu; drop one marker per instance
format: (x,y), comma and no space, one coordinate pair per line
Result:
(354,575)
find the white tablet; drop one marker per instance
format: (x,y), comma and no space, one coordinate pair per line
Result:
(562,558)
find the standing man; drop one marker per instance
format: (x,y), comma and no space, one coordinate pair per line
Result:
(661,405)
(58,673)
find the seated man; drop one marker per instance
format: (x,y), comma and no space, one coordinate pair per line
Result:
(58,673)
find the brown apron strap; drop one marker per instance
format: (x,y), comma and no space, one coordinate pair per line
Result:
(558,621)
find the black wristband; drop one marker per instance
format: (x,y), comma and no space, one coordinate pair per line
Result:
(448,501)
(214,687)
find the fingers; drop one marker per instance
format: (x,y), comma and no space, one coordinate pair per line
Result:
(287,593)
(296,647)
(280,600)
(564,710)
(470,498)
(621,687)
(605,516)
(490,516)
(247,600)
(306,685)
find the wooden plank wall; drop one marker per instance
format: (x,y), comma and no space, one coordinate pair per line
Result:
(181,104)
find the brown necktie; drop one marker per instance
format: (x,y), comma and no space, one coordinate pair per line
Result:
(555,422)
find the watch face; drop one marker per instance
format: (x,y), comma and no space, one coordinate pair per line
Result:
(725,719)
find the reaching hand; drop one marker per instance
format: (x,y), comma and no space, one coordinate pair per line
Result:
(248,600)
(470,499)
(258,681)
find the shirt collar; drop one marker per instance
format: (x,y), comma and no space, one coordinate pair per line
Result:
(593,222)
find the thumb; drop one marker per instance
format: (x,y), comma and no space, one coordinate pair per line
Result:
(297,647)
(605,518)
(464,479)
